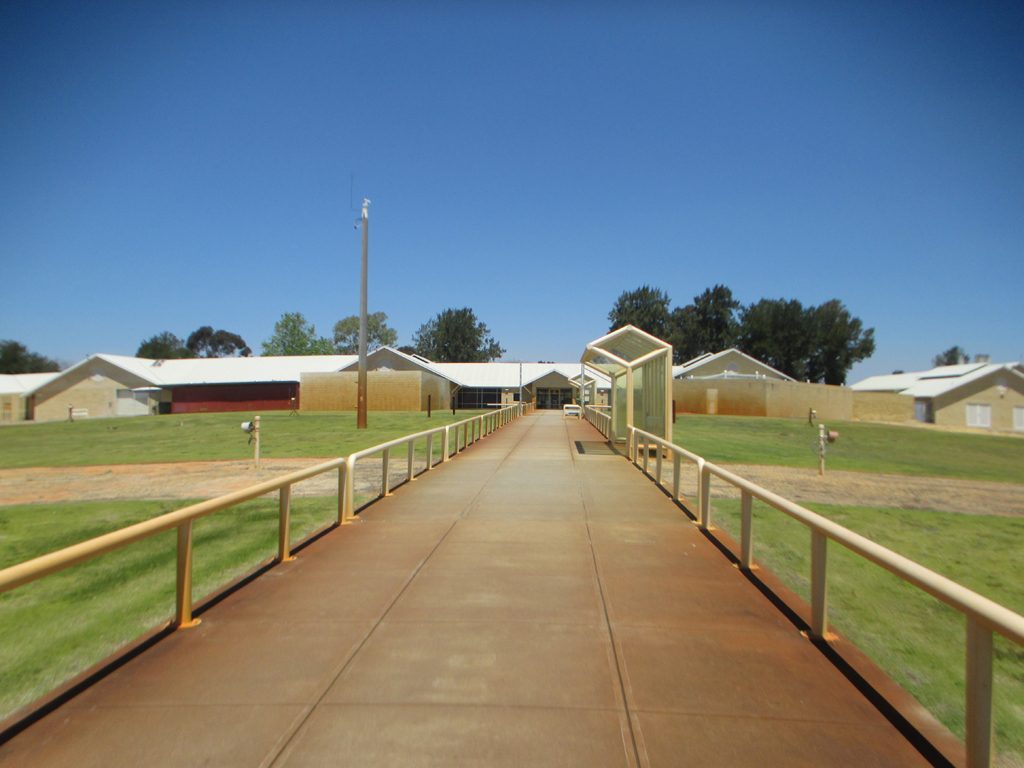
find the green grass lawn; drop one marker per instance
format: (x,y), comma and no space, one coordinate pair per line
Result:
(205,437)
(915,638)
(54,628)
(862,447)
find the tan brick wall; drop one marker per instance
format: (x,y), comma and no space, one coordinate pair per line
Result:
(386,391)
(951,409)
(790,399)
(882,406)
(440,392)
(763,397)
(12,408)
(92,386)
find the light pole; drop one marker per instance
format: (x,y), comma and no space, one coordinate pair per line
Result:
(361,387)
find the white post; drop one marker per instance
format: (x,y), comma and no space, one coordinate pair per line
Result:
(256,439)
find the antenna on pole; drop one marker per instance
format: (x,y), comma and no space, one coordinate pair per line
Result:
(361,385)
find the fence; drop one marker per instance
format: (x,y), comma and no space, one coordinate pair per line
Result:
(983,615)
(454,438)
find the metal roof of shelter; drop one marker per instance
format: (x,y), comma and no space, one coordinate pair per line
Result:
(626,347)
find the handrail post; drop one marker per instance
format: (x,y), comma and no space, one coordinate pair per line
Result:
(746,530)
(385,486)
(411,474)
(347,490)
(444,444)
(819,584)
(284,507)
(979,695)
(430,452)
(183,603)
(704,491)
(657,465)
(675,475)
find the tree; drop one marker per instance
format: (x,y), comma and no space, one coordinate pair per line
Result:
(775,331)
(293,335)
(206,342)
(162,346)
(456,336)
(646,308)
(378,333)
(16,358)
(708,325)
(952,356)
(838,340)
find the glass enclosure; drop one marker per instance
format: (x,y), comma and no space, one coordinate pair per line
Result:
(640,366)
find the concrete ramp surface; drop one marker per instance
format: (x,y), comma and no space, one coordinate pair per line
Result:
(521,605)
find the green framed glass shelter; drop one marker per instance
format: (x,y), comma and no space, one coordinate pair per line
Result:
(640,368)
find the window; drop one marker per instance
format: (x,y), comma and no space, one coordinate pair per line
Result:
(979,415)
(1018,418)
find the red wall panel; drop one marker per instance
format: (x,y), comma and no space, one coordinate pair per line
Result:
(214,398)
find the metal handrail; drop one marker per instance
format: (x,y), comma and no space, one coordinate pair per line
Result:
(984,616)
(472,428)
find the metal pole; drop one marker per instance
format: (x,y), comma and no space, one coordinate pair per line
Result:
(361,395)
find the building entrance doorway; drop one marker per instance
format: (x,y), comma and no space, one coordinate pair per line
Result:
(553,399)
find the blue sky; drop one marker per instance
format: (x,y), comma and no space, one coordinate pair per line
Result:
(170,165)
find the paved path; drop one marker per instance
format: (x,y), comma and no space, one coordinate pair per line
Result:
(521,606)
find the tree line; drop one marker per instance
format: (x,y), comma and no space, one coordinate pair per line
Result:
(810,343)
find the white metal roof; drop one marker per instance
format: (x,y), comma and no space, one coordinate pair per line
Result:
(218,370)
(507,375)
(936,381)
(691,368)
(20,383)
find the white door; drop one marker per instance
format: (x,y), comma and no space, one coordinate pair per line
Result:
(1018,418)
(131,403)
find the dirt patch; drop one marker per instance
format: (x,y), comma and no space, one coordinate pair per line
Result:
(178,480)
(971,497)
(207,479)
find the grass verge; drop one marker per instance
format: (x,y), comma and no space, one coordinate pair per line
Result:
(862,447)
(52,629)
(916,639)
(206,437)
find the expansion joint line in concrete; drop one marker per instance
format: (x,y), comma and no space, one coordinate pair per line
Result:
(286,742)
(604,607)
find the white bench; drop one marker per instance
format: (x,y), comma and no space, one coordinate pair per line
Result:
(569,409)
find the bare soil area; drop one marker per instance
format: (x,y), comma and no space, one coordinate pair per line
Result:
(206,479)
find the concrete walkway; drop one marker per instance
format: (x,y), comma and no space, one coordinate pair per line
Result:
(522,605)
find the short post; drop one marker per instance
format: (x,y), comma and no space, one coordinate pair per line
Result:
(746,530)
(657,464)
(183,603)
(385,488)
(979,695)
(675,475)
(428,405)
(284,505)
(444,444)
(347,485)
(819,584)
(646,452)
(430,452)
(704,489)
(71,413)
(453,406)
(256,439)
(673,411)
(409,470)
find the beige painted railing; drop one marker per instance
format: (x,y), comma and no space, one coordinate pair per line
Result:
(600,417)
(983,615)
(454,438)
